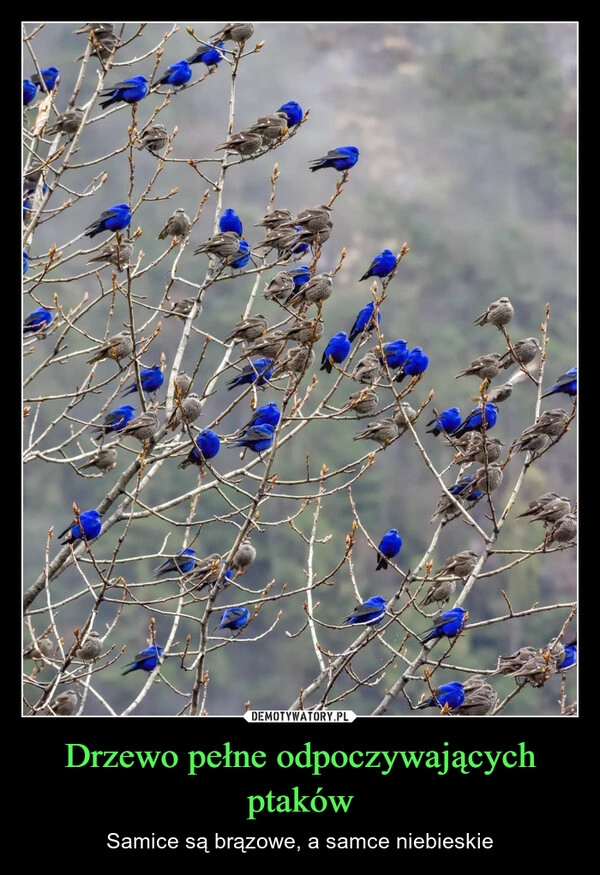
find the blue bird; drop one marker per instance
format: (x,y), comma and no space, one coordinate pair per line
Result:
(342,158)
(29,91)
(206,446)
(230,221)
(116,420)
(463,488)
(369,613)
(151,380)
(335,352)
(301,247)
(234,618)
(128,91)
(244,258)
(566,384)
(177,75)
(480,417)
(570,657)
(180,563)
(257,438)
(448,421)
(447,625)
(25,262)
(115,218)
(446,697)
(366,320)
(415,364)
(37,320)
(293,111)
(50,78)
(145,660)
(259,372)
(268,414)
(210,55)
(395,353)
(300,275)
(389,546)
(88,527)
(381,266)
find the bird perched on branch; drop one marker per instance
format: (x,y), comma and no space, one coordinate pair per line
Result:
(461,564)
(234,31)
(381,266)
(293,111)
(245,143)
(177,75)
(315,291)
(395,353)
(447,625)
(63,705)
(481,417)
(177,225)
(49,80)
(389,547)
(128,91)
(258,438)
(115,420)
(145,660)
(258,372)
(367,369)
(447,422)
(206,446)
(37,321)
(523,352)
(336,351)
(142,427)
(104,459)
(115,218)
(118,253)
(383,432)
(90,648)
(87,526)
(364,402)
(185,412)
(369,613)
(234,618)
(180,563)
(342,158)
(415,365)
(224,245)
(563,530)
(440,592)
(103,37)
(480,698)
(498,313)
(566,384)
(250,328)
(447,697)
(116,347)
(153,139)
(210,55)
(485,367)
(243,557)
(151,379)
(67,122)
(367,319)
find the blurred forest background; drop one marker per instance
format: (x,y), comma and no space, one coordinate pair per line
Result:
(468,154)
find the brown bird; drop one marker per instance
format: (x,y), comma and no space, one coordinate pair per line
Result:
(116,347)
(176,225)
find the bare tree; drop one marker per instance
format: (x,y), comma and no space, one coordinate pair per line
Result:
(198,499)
